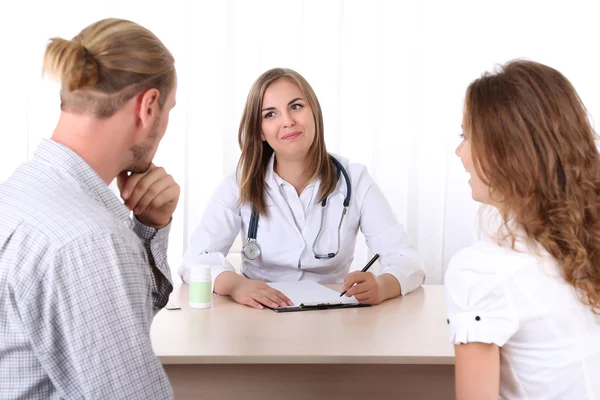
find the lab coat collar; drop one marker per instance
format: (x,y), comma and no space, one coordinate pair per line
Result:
(273,180)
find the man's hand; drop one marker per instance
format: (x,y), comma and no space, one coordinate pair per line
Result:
(152,196)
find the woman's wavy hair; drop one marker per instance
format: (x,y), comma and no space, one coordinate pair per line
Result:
(533,145)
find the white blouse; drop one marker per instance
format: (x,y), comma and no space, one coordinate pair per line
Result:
(287,235)
(549,340)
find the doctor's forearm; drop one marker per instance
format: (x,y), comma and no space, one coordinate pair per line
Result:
(226,282)
(389,286)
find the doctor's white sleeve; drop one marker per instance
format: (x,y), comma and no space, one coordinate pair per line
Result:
(220,224)
(386,236)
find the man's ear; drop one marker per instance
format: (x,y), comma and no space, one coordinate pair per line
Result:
(148,107)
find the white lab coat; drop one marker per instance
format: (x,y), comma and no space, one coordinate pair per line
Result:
(287,235)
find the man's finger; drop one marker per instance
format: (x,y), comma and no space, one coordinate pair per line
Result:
(122,180)
(158,194)
(129,187)
(138,185)
(162,199)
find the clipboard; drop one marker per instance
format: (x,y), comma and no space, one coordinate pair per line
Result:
(312,296)
(318,306)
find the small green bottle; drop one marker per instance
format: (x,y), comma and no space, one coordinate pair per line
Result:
(200,290)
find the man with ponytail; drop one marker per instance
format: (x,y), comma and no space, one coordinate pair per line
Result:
(80,278)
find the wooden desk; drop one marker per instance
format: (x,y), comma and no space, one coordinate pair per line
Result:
(398,349)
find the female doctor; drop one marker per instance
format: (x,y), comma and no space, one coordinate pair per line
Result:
(298,208)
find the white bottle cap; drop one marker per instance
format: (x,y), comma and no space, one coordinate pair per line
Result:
(200,273)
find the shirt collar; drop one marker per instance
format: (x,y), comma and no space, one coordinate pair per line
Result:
(65,159)
(275,181)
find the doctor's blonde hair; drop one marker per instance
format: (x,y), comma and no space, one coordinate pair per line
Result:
(108,63)
(256,154)
(533,145)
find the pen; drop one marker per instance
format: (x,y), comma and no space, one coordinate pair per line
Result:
(366,268)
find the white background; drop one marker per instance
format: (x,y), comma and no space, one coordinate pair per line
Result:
(390,76)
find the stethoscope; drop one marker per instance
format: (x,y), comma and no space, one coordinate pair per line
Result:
(251,249)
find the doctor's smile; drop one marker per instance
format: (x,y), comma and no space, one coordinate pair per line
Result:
(291,136)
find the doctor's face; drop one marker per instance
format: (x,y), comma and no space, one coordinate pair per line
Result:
(288,124)
(479,190)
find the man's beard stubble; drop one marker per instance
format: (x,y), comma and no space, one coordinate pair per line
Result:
(141,163)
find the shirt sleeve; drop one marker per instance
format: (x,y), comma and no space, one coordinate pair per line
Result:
(218,228)
(386,236)
(89,322)
(480,307)
(156,243)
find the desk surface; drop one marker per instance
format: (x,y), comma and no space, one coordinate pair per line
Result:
(408,330)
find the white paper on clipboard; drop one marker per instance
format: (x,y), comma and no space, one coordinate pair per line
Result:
(303,292)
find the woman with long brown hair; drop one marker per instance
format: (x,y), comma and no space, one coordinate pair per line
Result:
(523,302)
(298,208)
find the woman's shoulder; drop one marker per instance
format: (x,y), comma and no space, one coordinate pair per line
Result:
(488,260)
(228,190)
(358,172)
(482,250)
(477,298)
(231,180)
(349,164)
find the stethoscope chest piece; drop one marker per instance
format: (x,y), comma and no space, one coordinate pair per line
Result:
(251,249)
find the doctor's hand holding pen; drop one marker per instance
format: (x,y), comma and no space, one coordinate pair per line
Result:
(368,288)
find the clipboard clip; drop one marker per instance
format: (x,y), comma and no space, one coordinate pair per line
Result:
(323,304)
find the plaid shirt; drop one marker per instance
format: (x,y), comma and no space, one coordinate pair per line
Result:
(77,292)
